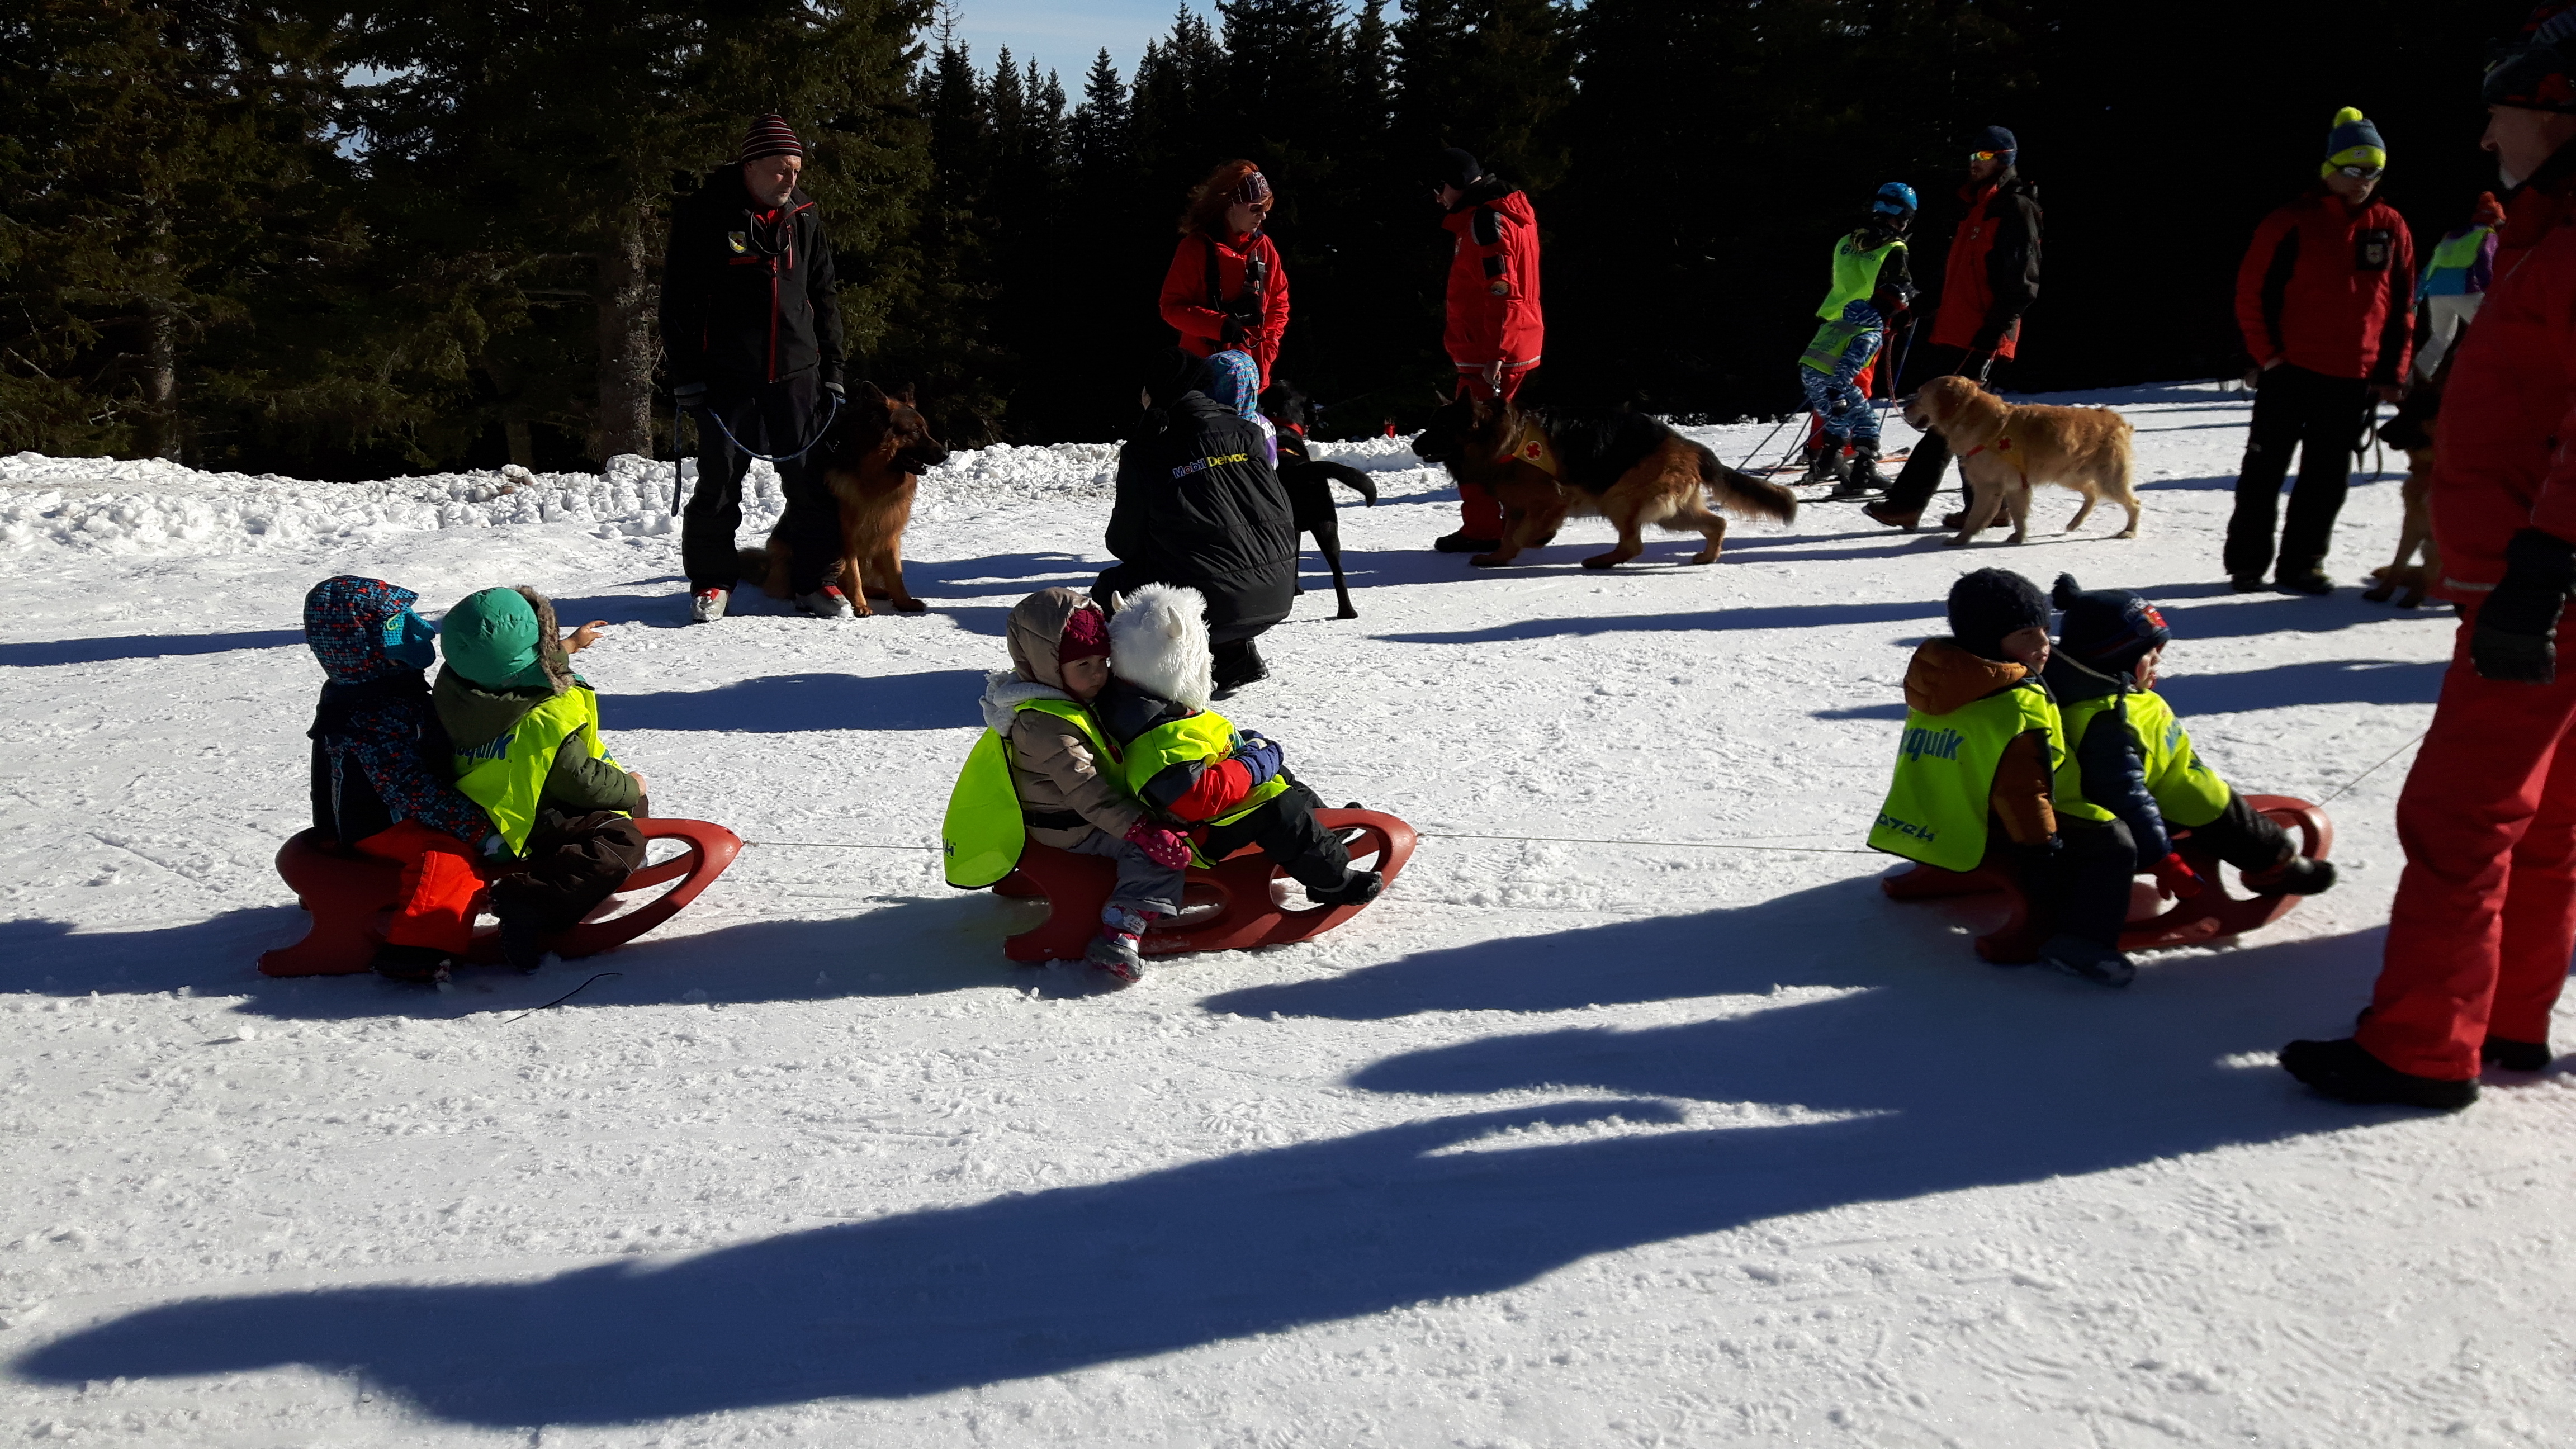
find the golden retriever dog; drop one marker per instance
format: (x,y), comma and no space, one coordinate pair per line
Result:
(1545,463)
(2005,449)
(871,461)
(2406,580)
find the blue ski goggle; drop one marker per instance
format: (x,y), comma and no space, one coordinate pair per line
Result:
(408,639)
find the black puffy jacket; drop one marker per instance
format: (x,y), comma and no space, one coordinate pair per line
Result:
(1198,505)
(747,301)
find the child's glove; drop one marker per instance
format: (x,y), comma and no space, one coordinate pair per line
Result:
(2175,877)
(1259,755)
(1167,848)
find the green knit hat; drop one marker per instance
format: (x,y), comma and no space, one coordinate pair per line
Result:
(490,637)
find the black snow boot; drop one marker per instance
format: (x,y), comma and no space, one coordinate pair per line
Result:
(1865,480)
(1357,889)
(2296,876)
(2343,1070)
(2517,1056)
(1824,464)
(420,965)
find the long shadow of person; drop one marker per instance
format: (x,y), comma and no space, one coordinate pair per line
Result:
(1945,1075)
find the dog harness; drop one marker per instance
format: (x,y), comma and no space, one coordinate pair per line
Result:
(2002,443)
(1529,444)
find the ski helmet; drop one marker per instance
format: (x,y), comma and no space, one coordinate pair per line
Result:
(1895,199)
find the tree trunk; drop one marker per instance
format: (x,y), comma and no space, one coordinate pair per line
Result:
(514,424)
(161,347)
(624,422)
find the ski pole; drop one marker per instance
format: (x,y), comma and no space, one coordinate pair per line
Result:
(1896,379)
(1766,441)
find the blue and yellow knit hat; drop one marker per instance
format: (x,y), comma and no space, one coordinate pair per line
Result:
(2353,142)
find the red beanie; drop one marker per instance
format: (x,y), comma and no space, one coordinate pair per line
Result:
(770,137)
(1086,636)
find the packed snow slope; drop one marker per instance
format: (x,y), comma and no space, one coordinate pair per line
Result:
(1561,1143)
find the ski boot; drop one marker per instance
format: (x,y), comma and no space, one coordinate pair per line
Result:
(1865,480)
(1825,465)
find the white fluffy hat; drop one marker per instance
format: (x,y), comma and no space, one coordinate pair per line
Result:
(1158,641)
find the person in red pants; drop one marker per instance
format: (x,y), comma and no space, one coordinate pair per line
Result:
(1496,330)
(2485,919)
(380,770)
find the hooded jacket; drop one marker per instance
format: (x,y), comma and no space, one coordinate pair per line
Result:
(1198,506)
(1198,297)
(1494,313)
(2330,288)
(748,297)
(1943,678)
(1992,274)
(1065,791)
(379,755)
(475,714)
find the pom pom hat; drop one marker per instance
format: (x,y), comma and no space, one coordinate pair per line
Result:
(2106,629)
(2352,142)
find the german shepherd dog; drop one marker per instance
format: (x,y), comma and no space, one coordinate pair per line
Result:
(871,461)
(1547,462)
(2403,578)
(1310,481)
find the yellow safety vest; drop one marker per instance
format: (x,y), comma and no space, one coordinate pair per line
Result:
(1938,801)
(2189,793)
(507,775)
(986,828)
(1205,735)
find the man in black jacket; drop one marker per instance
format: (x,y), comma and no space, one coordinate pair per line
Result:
(751,325)
(1991,278)
(1199,505)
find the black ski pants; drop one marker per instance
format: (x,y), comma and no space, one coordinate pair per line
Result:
(774,418)
(2320,417)
(2081,889)
(1921,476)
(1285,828)
(572,863)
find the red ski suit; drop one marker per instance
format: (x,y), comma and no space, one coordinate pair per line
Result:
(1494,314)
(1992,275)
(2329,288)
(2485,917)
(1200,318)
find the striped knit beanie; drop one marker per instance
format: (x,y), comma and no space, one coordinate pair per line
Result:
(1253,189)
(770,136)
(2352,142)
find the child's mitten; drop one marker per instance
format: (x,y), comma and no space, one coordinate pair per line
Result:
(2175,877)
(1167,848)
(1260,756)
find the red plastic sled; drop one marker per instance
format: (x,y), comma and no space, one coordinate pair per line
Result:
(2153,922)
(1232,906)
(350,897)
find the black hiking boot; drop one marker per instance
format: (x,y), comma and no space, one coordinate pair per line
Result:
(1357,889)
(2313,582)
(1464,542)
(2342,1070)
(2297,876)
(2516,1056)
(419,965)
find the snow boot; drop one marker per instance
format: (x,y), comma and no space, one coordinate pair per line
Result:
(1879,512)
(707,605)
(2313,582)
(1114,949)
(2098,964)
(1865,479)
(2295,876)
(827,602)
(420,965)
(1358,888)
(2516,1056)
(2343,1070)
(1464,542)
(522,937)
(1237,665)
(1825,465)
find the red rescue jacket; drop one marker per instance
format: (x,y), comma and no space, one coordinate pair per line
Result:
(1199,311)
(2330,288)
(1992,275)
(2498,466)
(1493,280)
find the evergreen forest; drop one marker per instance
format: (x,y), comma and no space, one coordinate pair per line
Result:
(343,241)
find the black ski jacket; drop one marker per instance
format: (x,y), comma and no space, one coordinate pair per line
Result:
(747,301)
(1199,505)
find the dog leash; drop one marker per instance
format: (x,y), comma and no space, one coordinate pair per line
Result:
(819,435)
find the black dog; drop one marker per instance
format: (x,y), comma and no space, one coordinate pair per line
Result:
(1309,480)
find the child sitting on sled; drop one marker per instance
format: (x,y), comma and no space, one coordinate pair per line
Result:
(1065,783)
(1191,771)
(524,730)
(1975,774)
(2126,751)
(380,772)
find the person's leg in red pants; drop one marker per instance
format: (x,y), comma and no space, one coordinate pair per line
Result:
(2485,918)
(1480,513)
(435,910)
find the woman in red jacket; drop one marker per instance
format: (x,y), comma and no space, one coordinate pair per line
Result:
(1226,287)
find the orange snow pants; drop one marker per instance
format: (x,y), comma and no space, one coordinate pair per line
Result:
(439,884)
(2485,919)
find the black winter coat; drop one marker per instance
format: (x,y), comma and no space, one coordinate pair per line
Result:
(1198,505)
(746,302)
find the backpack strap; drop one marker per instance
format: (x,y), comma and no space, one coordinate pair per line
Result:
(1215,284)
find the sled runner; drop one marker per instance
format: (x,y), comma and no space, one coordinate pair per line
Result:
(349,897)
(1232,906)
(2153,921)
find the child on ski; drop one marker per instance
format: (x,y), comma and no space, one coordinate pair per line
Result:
(1191,771)
(524,731)
(2127,752)
(1975,773)
(1065,776)
(1872,289)
(380,770)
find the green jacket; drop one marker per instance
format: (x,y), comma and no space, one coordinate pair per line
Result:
(577,784)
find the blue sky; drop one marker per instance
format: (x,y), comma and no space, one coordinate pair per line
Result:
(1064,36)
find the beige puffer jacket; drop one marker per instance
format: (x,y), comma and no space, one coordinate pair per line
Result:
(1052,766)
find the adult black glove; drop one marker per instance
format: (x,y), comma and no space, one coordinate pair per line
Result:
(1237,327)
(691,396)
(838,392)
(2516,636)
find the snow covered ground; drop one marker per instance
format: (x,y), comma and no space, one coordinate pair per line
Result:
(1558,1144)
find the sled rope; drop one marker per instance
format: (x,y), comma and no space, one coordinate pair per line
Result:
(1434,835)
(2373,770)
(567,996)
